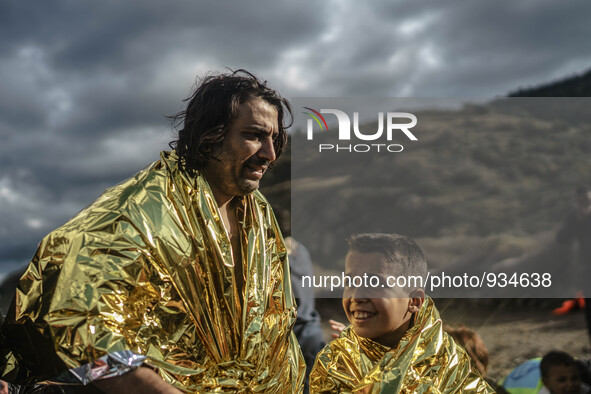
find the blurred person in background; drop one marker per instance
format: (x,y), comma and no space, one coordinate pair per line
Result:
(307,328)
(577,228)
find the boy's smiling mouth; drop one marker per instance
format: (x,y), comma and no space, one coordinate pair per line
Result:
(362,315)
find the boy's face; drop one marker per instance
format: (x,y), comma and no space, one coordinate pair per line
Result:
(382,314)
(563,379)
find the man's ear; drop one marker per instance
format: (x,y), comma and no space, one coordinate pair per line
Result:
(416,299)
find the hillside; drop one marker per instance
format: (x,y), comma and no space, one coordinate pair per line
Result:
(484,183)
(574,86)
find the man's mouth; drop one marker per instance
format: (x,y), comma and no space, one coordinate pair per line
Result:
(256,171)
(256,167)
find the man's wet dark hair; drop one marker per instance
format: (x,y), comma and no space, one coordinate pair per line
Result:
(398,249)
(553,358)
(212,109)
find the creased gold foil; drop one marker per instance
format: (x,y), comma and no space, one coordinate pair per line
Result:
(148,268)
(426,361)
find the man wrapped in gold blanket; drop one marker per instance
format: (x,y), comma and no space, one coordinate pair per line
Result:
(176,279)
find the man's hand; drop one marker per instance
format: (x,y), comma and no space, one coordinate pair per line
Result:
(141,381)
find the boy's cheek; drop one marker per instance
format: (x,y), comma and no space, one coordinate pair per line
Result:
(345,303)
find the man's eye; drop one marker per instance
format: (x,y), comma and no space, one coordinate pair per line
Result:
(251,136)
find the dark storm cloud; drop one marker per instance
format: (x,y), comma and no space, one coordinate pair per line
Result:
(89,36)
(104,55)
(503,45)
(452,48)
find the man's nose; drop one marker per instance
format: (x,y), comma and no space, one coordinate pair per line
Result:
(358,294)
(267,150)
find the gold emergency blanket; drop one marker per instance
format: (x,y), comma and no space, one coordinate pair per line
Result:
(148,268)
(426,361)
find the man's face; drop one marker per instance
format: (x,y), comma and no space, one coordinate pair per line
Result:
(563,379)
(246,152)
(381,314)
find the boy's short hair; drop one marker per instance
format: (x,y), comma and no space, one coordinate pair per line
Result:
(398,249)
(553,358)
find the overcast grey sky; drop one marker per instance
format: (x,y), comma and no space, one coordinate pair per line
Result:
(86,84)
